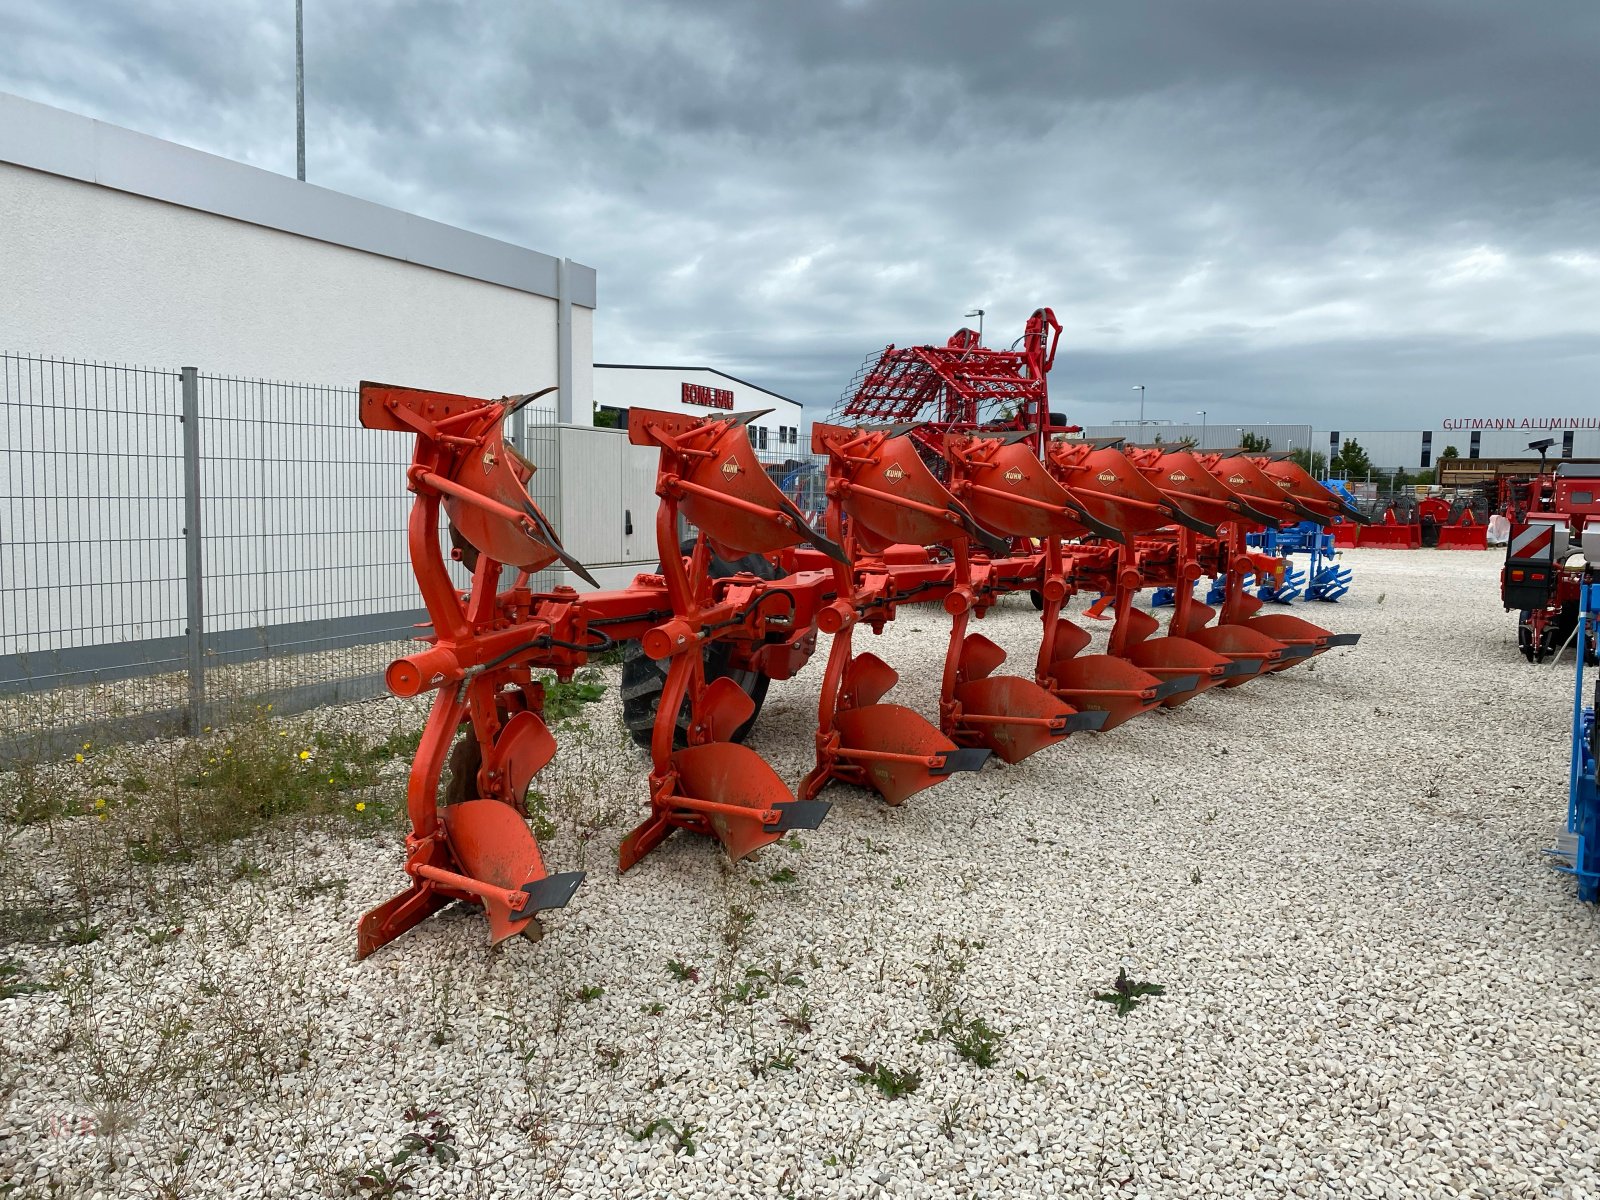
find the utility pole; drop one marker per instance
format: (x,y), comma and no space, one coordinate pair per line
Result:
(300,90)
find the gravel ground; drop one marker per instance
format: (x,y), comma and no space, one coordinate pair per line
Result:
(1375,984)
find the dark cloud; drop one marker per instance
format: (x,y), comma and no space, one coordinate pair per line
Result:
(1372,211)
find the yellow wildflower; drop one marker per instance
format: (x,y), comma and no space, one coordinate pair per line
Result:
(304,755)
(361,806)
(77,758)
(100,803)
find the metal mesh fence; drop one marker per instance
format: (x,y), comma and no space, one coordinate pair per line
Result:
(91,543)
(174,544)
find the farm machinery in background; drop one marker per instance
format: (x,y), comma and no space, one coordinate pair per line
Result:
(1553,552)
(1431,522)
(957,512)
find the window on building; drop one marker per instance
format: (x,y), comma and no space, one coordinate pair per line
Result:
(761,437)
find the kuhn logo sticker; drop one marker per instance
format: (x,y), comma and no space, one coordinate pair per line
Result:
(1178,477)
(1236,480)
(730,468)
(1107,477)
(1284,484)
(1014,476)
(895,473)
(488,460)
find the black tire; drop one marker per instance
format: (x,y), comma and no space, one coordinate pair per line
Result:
(1038,600)
(644,678)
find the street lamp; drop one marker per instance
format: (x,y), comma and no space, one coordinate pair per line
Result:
(1139,387)
(978,312)
(1202,413)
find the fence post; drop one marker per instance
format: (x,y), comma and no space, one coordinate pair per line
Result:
(194,592)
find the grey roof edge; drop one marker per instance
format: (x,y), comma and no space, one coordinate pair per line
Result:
(669,367)
(56,142)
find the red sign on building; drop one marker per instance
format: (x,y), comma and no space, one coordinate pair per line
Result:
(707,397)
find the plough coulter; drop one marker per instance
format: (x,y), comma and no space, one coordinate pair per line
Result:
(957,511)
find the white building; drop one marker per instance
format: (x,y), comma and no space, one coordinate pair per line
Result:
(700,391)
(125,258)
(1506,436)
(118,247)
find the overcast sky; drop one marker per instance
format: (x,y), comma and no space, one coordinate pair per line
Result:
(1356,214)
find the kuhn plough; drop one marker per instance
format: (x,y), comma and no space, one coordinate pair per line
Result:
(957,513)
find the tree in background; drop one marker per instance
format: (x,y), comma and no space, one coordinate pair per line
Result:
(1351,460)
(1450,452)
(1314,463)
(1255,443)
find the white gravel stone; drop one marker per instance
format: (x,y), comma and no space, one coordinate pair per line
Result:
(1377,987)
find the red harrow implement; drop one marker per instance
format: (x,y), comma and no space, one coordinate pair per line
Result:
(746,600)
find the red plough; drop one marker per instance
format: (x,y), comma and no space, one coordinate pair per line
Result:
(956,516)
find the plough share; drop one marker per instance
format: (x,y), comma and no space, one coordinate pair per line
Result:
(955,512)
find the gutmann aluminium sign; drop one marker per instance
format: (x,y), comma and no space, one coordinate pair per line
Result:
(1454,423)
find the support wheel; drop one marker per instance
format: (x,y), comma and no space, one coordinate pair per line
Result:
(644,678)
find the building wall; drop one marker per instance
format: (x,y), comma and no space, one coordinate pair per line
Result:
(1390,449)
(104,275)
(628,386)
(120,247)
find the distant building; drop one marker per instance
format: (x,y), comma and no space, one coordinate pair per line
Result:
(1472,438)
(701,392)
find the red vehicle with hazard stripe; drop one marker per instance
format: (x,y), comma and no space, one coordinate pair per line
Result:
(1553,550)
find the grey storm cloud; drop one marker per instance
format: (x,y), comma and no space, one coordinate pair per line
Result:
(1361,214)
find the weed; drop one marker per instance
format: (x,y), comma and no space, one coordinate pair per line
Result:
(321,887)
(749,990)
(778,1060)
(783,875)
(436,1143)
(1194,875)
(682,971)
(540,815)
(739,922)
(14,983)
(1126,993)
(655,1008)
(81,934)
(974,1040)
(610,1056)
(590,992)
(792,842)
(800,1019)
(893,1084)
(899,883)
(682,1135)
(563,701)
